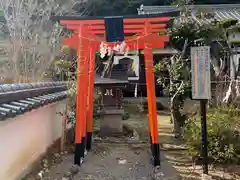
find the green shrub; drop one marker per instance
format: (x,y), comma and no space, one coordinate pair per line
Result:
(223,135)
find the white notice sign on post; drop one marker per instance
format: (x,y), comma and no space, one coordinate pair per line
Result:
(201,78)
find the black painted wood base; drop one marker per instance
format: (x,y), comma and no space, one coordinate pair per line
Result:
(89,141)
(77,155)
(83,147)
(151,146)
(156,154)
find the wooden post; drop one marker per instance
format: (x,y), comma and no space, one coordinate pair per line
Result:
(203,104)
(90,96)
(79,100)
(84,86)
(152,112)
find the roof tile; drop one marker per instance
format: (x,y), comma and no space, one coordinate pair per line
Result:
(220,11)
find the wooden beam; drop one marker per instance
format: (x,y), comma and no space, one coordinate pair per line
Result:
(128,31)
(127,26)
(81,22)
(132,43)
(137,21)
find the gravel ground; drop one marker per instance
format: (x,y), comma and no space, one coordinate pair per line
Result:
(115,162)
(120,162)
(111,161)
(116,159)
(121,158)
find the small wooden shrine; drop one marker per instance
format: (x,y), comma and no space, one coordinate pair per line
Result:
(110,104)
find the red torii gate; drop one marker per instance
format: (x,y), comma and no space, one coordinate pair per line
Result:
(86,42)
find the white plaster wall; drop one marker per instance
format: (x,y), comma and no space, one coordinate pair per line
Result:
(25,138)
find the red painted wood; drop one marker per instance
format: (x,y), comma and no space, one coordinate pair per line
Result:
(150,20)
(126,31)
(80,93)
(131,31)
(126,21)
(86,47)
(81,22)
(128,26)
(93,49)
(133,44)
(150,81)
(86,39)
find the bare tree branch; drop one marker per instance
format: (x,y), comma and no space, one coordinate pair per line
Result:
(33,40)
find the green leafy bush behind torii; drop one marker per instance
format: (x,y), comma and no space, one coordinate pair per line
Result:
(223,135)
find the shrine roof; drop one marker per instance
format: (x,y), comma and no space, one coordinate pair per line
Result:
(78,17)
(107,81)
(219,11)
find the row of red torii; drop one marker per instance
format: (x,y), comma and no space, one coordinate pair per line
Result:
(86,41)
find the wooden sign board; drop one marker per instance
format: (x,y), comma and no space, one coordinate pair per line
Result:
(201,78)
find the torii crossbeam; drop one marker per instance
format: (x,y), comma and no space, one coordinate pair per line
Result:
(85,40)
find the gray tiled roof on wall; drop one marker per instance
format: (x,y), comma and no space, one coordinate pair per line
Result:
(16,99)
(220,11)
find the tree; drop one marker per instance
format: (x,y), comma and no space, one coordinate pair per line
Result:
(129,7)
(33,40)
(175,72)
(118,8)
